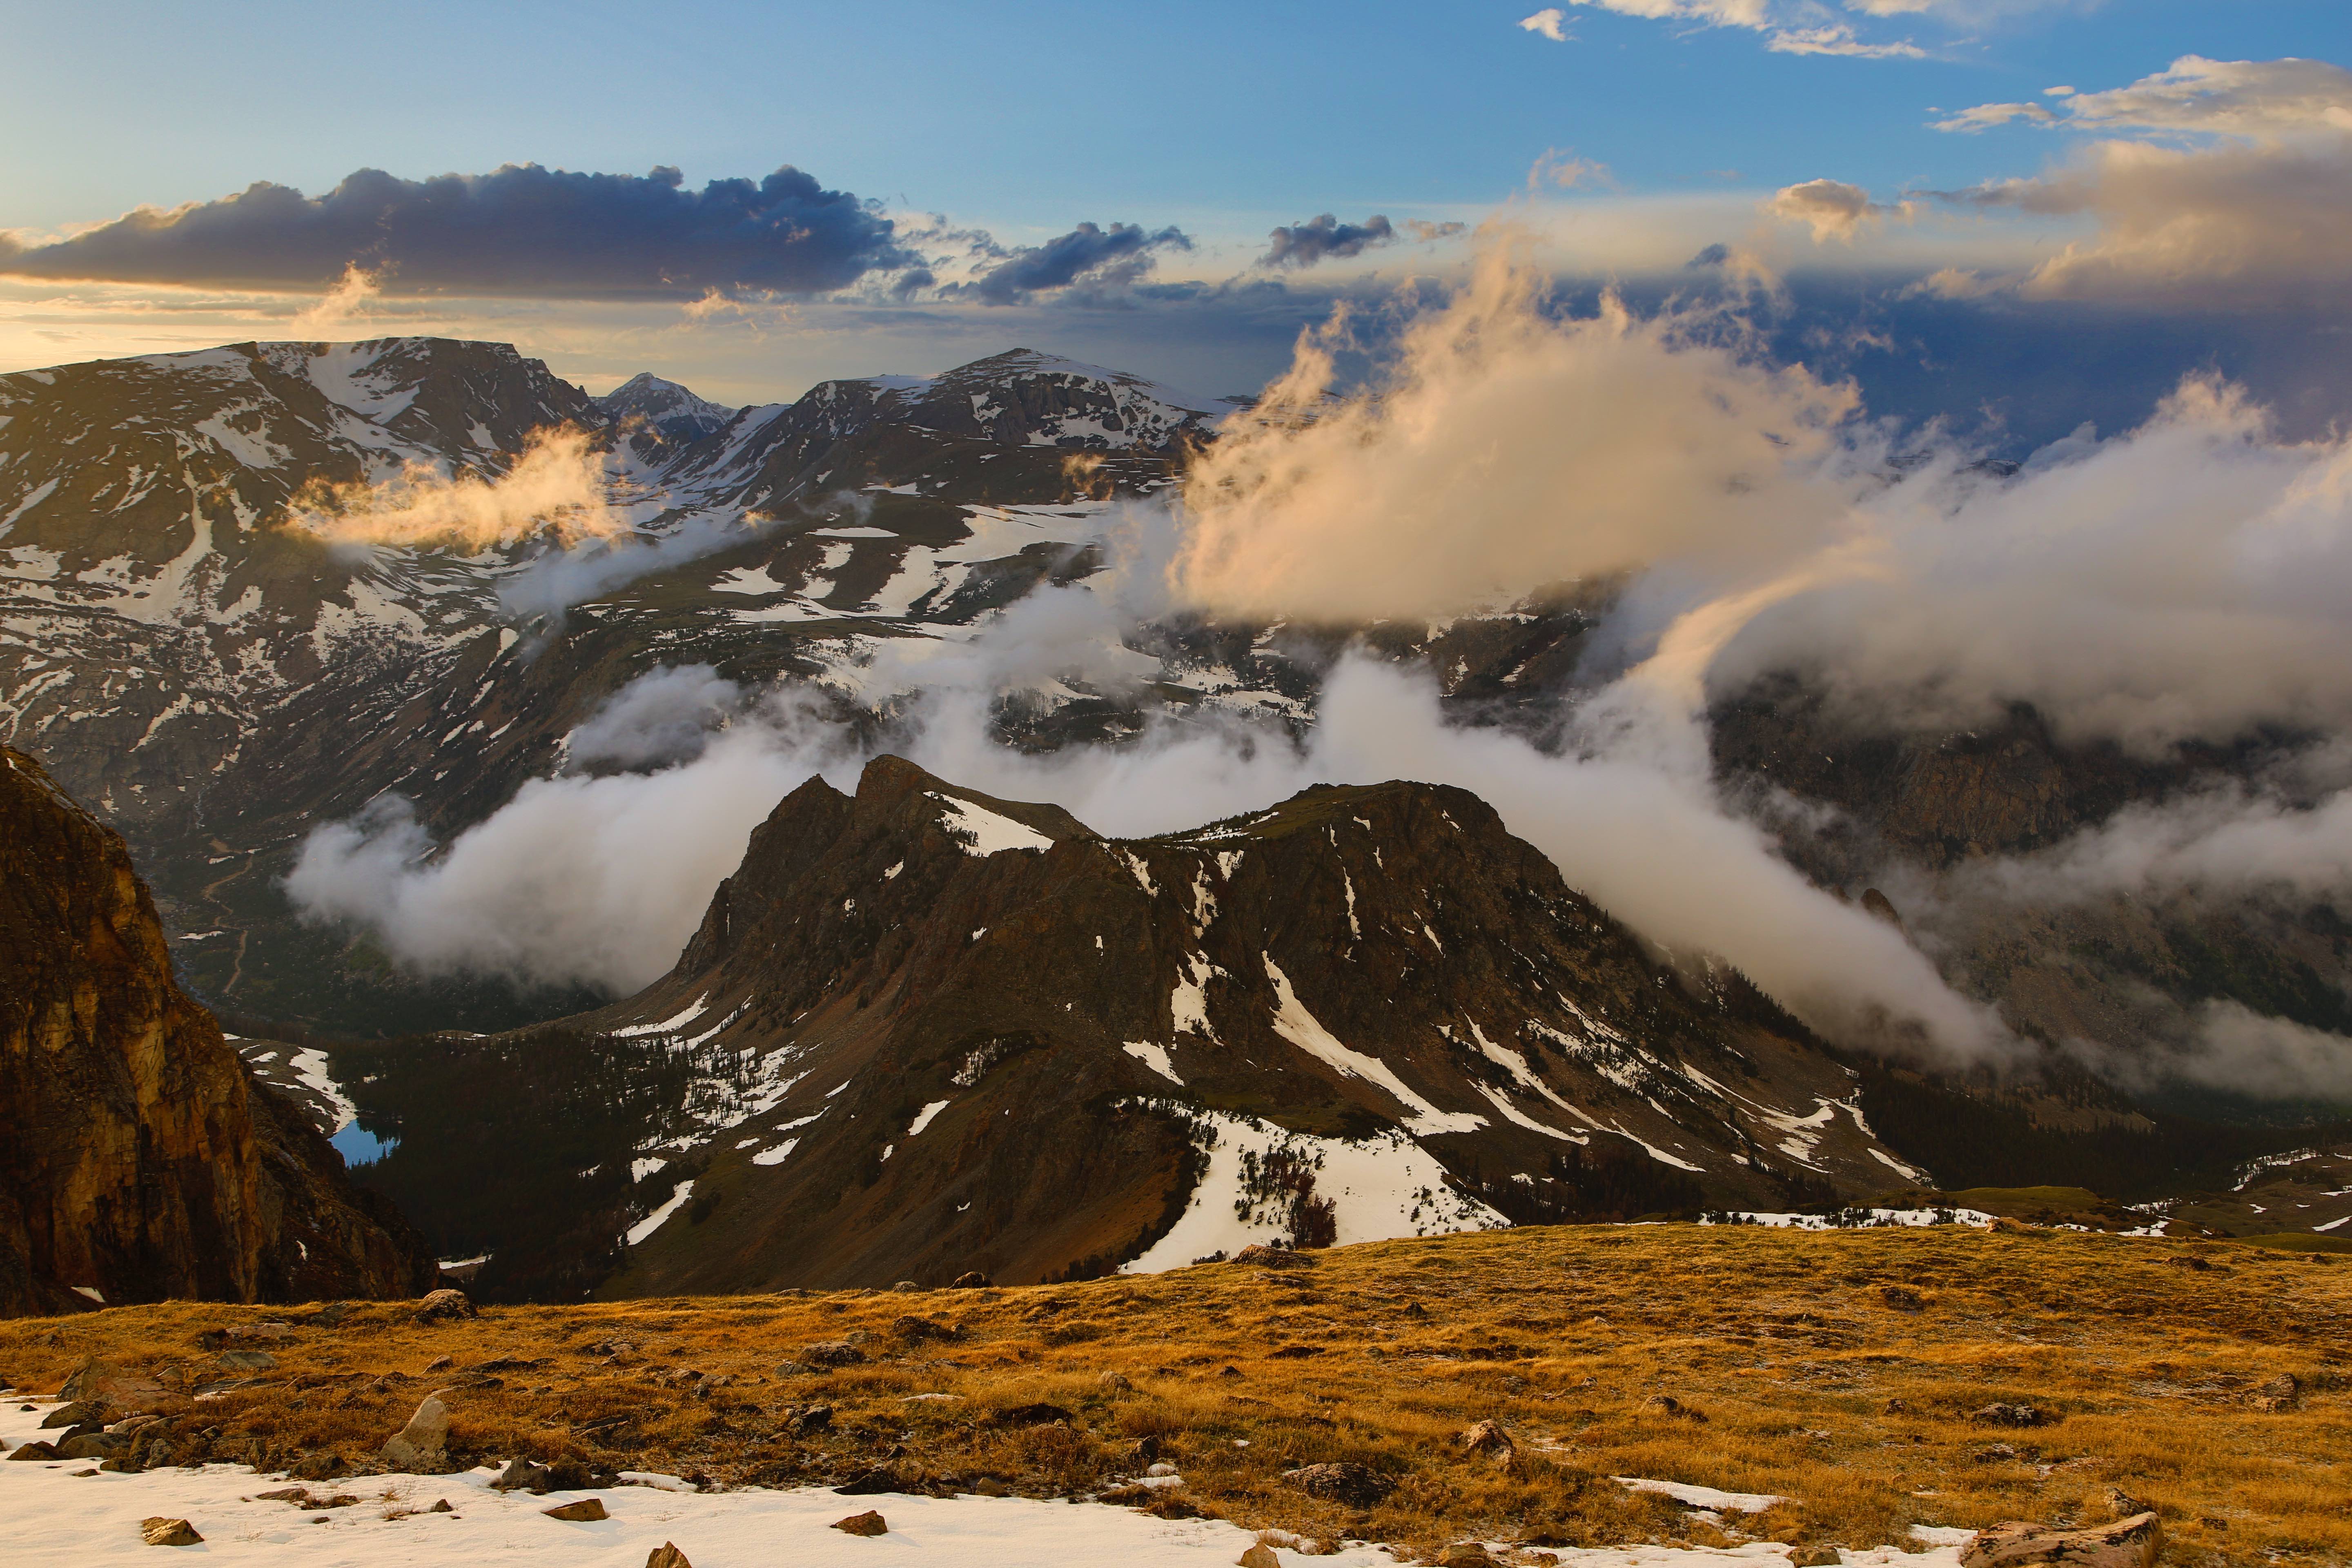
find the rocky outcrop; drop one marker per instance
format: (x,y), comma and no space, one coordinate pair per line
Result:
(138,1160)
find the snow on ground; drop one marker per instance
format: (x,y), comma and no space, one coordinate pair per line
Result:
(1383,1187)
(1293,1023)
(66,1511)
(655,1220)
(1706,1497)
(982,831)
(310,1067)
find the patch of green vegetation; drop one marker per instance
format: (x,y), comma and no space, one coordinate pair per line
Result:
(2297,1241)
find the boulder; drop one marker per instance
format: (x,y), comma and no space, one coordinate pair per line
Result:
(443,1304)
(1346,1482)
(866,1523)
(1115,1383)
(423,1444)
(1265,1256)
(1488,1437)
(970,1280)
(1036,1414)
(80,1413)
(587,1510)
(921,1329)
(161,1532)
(1259,1556)
(666,1555)
(94,1445)
(2131,1543)
(832,1352)
(248,1360)
(2009,1415)
(522,1475)
(121,1390)
(1466,1554)
(906,1285)
(32,1451)
(807,1420)
(1900,1297)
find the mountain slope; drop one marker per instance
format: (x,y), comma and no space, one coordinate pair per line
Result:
(138,1160)
(922,1031)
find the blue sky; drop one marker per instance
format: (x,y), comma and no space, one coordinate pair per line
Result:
(1023,121)
(1037,115)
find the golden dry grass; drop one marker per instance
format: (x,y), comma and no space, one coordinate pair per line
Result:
(1799,1377)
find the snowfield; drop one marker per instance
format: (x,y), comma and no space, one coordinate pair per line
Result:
(66,1511)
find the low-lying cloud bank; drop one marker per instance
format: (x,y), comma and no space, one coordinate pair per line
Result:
(2186,580)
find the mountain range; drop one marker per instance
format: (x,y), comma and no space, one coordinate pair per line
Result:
(189,644)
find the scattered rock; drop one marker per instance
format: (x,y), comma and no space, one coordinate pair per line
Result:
(423,1444)
(1115,1383)
(161,1532)
(441,1363)
(1265,1256)
(2005,1226)
(870,1482)
(80,1413)
(834,1352)
(1899,1408)
(2185,1261)
(332,1314)
(803,1420)
(126,1392)
(906,1285)
(666,1555)
(522,1475)
(441,1505)
(1346,1482)
(1294,1352)
(2123,1505)
(1488,1437)
(972,1280)
(248,1360)
(1667,1404)
(1038,1415)
(587,1510)
(797,1369)
(1815,1557)
(94,1445)
(1466,1554)
(2280,1393)
(443,1305)
(32,1451)
(1902,1298)
(866,1523)
(1998,1454)
(2009,1416)
(1230,1371)
(1259,1556)
(2131,1543)
(921,1329)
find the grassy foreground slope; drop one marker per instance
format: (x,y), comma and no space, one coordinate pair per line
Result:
(1844,1371)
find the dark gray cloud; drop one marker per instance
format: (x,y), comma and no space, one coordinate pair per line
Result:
(520,229)
(1092,258)
(1322,238)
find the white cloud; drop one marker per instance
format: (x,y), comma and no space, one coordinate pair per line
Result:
(1550,22)
(1808,28)
(1833,209)
(2238,188)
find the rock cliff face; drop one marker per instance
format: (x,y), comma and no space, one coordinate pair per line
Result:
(137,1159)
(922,1031)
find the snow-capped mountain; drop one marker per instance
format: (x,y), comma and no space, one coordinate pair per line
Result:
(657,416)
(923,1031)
